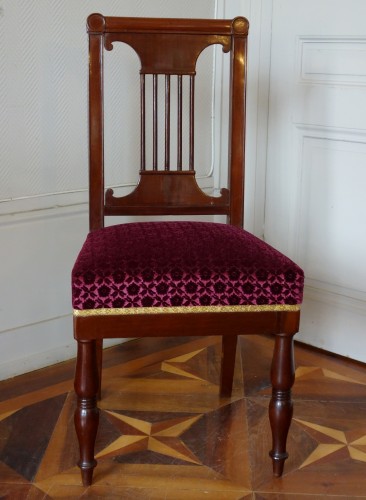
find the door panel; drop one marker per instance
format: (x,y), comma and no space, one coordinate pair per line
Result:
(316,163)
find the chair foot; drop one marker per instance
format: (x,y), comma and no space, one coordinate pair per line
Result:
(87,472)
(278,463)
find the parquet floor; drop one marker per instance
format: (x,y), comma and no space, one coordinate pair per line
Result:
(165,433)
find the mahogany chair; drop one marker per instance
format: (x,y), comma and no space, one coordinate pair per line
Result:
(177,278)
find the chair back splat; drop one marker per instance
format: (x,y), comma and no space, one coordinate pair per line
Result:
(168,47)
(176,278)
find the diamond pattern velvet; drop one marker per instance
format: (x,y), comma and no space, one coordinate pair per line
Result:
(170,264)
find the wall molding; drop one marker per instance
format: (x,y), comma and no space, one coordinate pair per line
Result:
(31,358)
(336,293)
(315,60)
(328,293)
(302,133)
(53,201)
(60,207)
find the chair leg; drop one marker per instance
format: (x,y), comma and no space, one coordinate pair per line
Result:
(280,407)
(227,364)
(100,365)
(87,413)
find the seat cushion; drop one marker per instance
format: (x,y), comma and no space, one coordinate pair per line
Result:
(181,264)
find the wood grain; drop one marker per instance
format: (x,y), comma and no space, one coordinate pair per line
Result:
(201,446)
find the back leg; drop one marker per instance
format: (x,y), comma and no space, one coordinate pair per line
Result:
(227,364)
(99,349)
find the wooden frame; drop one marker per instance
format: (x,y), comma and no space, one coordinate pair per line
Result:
(175,192)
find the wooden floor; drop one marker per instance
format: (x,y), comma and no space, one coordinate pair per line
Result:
(165,433)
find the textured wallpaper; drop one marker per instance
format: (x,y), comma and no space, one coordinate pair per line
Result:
(43,95)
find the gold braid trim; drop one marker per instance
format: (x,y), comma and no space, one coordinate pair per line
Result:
(129,311)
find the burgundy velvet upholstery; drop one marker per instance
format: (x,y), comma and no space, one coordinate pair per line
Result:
(170,264)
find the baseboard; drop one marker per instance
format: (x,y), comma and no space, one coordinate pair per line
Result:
(35,361)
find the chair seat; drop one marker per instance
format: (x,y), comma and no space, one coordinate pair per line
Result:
(179,265)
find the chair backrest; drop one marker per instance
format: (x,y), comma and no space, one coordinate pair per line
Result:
(167,47)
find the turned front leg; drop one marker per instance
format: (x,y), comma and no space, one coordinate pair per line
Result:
(280,407)
(86,413)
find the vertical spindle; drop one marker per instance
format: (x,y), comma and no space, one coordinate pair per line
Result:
(167,122)
(155,122)
(143,128)
(191,122)
(180,106)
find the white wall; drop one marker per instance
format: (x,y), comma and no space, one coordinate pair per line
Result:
(43,166)
(315,198)
(306,140)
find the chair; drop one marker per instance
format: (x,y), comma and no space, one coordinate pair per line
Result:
(177,278)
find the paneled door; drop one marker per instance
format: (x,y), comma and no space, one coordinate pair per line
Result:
(316,163)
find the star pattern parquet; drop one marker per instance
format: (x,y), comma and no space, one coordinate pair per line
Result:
(166,434)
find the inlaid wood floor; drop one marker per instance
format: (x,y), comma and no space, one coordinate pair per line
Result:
(165,433)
